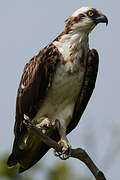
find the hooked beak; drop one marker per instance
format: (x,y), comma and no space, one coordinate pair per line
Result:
(101,19)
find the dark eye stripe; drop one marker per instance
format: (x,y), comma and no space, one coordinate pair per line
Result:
(82,15)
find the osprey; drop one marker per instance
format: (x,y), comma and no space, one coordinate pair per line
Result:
(57,83)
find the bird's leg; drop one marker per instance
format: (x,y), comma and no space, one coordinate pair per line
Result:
(44,124)
(64,143)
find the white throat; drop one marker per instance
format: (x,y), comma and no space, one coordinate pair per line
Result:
(73,44)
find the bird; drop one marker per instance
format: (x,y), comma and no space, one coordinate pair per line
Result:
(56,84)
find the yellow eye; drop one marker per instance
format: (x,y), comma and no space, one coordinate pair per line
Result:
(90,13)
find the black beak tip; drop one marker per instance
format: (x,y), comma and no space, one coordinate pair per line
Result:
(102,19)
(106,20)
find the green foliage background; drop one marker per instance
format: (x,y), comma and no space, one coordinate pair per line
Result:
(60,171)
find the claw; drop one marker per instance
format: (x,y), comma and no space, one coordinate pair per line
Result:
(46,124)
(43,125)
(28,123)
(61,155)
(66,150)
(57,154)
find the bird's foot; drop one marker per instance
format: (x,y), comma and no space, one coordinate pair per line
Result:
(66,150)
(42,126)
(27,121)
(46,124)
(43,123)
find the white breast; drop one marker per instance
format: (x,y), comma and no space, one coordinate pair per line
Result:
(61,97)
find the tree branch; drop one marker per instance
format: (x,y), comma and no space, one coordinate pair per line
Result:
(77,153)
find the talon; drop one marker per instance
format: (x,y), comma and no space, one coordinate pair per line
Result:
(26,117)
(46,123)
(44,131)
(28,122)
(57,154)
(53,123)
(66,150)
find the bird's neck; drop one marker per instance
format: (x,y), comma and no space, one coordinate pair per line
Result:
(74,43)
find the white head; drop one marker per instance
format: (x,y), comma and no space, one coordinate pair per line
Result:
(85,19)
(74,39)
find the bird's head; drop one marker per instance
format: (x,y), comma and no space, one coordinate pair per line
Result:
(85,19)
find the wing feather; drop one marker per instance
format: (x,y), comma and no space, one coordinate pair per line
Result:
(87,88)
(36,78)
(35,81)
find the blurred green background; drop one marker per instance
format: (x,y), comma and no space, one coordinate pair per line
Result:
(59,171)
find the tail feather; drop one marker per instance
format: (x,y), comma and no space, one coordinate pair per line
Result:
(27,157)
(30,159)
(21,170)
(11,161)
(26,154)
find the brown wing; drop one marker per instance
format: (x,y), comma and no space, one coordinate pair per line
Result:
(35,81)
(87,88)
(36,78)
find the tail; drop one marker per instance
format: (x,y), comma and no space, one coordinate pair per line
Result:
(29,149)
(27,157)
(11,161)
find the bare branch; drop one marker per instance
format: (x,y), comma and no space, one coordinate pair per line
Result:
(77,153)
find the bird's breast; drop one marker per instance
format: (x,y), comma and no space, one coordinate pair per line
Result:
(62,95)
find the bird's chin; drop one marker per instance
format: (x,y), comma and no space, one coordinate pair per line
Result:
(92,27)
